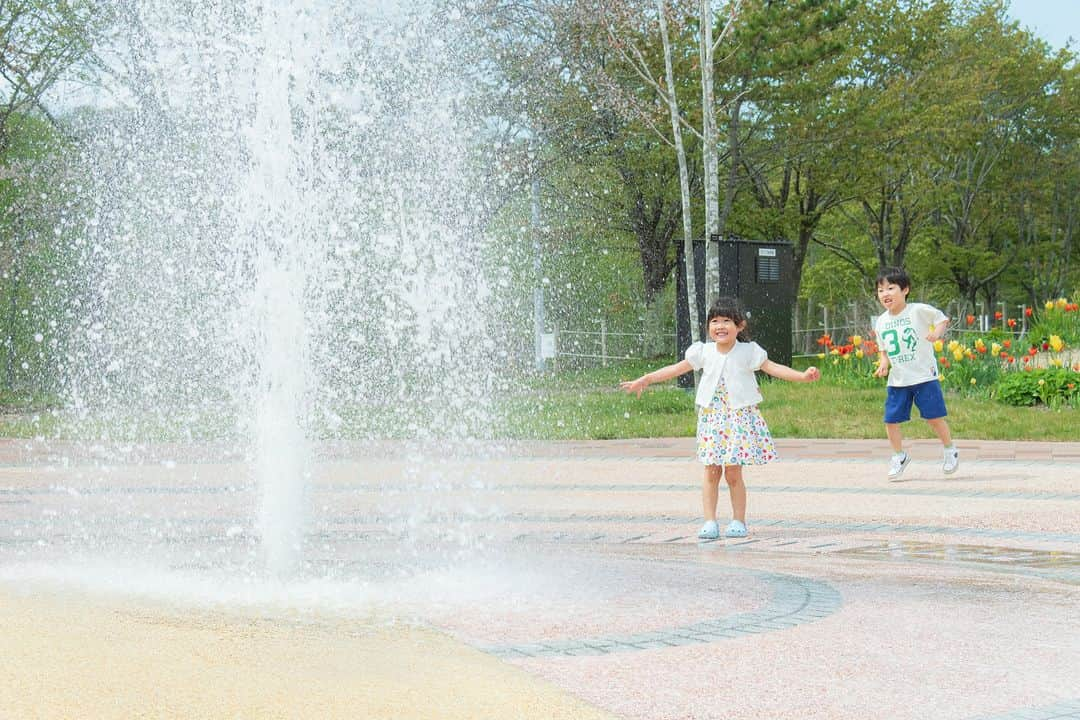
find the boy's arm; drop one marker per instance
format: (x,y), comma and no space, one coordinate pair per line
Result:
(940,328)
(882,365)
(783,372)
(664,373)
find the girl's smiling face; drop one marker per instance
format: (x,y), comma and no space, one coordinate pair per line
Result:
(723,330)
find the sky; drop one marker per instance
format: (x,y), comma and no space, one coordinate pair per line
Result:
(1052,20)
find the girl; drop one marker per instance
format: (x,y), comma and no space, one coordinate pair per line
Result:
(730,430)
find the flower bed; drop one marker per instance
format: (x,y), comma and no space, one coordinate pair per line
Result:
(1042,367)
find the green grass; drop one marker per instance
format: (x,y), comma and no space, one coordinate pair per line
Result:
(587,405)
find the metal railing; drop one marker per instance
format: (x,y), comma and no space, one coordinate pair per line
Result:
(600,344)
(605,345)
(840,323)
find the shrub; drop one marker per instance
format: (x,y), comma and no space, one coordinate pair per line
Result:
(1052,387)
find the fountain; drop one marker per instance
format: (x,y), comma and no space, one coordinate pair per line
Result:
(277,243)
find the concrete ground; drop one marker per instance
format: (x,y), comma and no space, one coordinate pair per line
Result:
(542,580)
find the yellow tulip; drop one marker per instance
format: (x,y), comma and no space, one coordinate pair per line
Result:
(953,344)
(1060,303)
(995,349)
(821,356)
(1056,343)
(859,353)
(1049,305)
(1056,362)
(958,354)
(973,381)
(980,345)
(938,345)
(856,340)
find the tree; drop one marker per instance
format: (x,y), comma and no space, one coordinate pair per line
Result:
(40,42)
(787,131)
(996,107)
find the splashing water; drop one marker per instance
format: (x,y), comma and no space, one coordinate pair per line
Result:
(279,242)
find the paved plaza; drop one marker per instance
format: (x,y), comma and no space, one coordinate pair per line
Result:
(543,580)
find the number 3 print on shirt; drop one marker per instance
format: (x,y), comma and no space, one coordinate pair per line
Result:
(892,341)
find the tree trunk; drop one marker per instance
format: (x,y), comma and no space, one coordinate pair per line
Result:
(652,341)
(709,153)
(684,178)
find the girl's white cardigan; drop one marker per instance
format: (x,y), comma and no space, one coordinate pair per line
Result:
(737,369)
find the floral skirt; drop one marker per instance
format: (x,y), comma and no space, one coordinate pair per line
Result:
(732,437)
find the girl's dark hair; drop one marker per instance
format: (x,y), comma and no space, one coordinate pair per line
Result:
(894,276)
(729,308)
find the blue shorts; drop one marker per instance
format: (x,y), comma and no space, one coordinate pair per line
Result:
(927,396)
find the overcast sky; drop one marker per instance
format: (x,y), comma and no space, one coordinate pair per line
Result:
(1053,20)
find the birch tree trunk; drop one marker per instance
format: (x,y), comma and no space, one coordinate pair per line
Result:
(684,177)
(715,221)
(709,152)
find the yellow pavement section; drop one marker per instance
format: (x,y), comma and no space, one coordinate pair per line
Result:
(65,656)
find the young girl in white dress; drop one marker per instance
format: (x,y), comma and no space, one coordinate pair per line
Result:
(730,430)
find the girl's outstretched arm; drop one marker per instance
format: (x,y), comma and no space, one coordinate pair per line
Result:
(783,372)
(664,373)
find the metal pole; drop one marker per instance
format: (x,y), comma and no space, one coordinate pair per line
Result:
(538,276)
(603,343)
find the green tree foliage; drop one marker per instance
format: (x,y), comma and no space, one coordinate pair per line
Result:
(41,41)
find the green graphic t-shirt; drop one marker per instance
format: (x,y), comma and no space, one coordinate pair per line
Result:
(903,338)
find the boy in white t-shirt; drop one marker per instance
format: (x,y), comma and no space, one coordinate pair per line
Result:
(906,333)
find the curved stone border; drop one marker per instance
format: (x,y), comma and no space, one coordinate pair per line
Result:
(795,601)
(1067,710)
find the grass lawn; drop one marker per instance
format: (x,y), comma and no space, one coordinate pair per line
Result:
(587,405)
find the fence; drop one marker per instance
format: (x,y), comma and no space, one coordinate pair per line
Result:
(602,345)
(598,344)
(812,320)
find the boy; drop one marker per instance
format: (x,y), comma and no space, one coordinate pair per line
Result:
(906,334)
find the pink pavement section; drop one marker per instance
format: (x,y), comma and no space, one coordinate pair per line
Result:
(951,597)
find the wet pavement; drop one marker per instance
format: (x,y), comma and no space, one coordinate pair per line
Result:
(853,597)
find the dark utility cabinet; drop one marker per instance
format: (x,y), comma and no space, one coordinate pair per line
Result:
(760,274)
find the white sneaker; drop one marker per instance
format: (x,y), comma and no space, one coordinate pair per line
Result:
(897,464)
(952,460)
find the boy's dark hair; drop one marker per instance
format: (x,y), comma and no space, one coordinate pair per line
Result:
(893,276)
(729,308)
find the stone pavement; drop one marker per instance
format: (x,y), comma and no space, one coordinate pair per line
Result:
(578,563)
